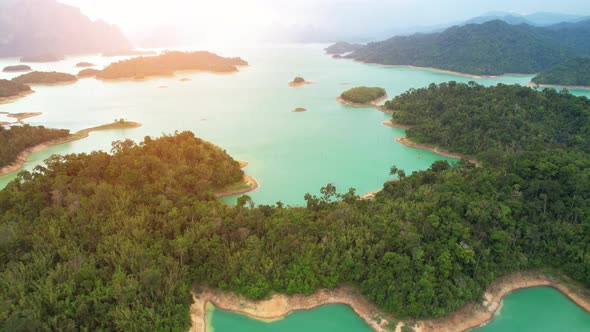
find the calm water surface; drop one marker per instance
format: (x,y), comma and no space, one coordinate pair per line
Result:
(249,114)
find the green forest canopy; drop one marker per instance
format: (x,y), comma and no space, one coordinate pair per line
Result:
(363,94)
(12,89)
(39,77)
(17,139)
(574,72)
(99,241)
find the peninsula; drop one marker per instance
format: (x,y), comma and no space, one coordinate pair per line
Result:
(168,63)
(574,73)
(11,89)
(89,72)
(26,139)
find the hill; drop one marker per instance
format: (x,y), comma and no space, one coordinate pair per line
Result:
(38,27)
(39,77)
(12,89)
(491,48)
(574,72)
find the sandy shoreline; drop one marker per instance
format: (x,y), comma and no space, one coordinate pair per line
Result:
(405,141)
(390,123)
(21,159)
(570,87)
(251,183)
(278,306)
(295,85)
(469,316)
(372,104)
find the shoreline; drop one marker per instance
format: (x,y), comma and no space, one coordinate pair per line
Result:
(558,86)
(21,159)
(392,124)
(279,306)
(444,71)
(407,142)
(174,74)
(296,85)
(373,104)
(251,183)
(471,315)
(8,100)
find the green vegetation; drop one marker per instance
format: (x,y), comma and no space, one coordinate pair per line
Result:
(299,110)
(342,47)
(11,89)
(492,48)
(298,80)
(115,242)
(572,72)
(363,94)
(17,68)
(168,63)
(88,72)
(39,77)
(472,119)
(16,139)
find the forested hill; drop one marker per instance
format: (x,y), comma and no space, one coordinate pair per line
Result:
(117,242)
(491,48)
(574,72)
(473,119)
(38,27)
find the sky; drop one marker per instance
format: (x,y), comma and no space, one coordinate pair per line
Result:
(236,20)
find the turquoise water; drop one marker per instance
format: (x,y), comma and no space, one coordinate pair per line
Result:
(249,114)
(542,309)
(327,318)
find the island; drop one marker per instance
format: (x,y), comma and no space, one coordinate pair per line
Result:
(299,110)
(574,73)
(363,96)
(10,90)
(43,58)
(168,63)
(19,117)
(467,49)
(342,47)
(17,68)
(299,81)
(23,140)
(39,77)
(84,65)
(89,72)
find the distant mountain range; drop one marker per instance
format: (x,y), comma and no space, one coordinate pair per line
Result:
(491,48)
(41,27)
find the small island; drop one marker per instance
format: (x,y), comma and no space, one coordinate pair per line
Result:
(88,72)
(363,96)
(10,90)
(85,65)
(299,81)
(43,58)
(341,48)
(574,73)
(16,69)
(26,139)
(40,77)
(299,110)
(168,63)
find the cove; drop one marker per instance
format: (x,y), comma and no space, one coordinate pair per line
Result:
(538,309)
(327,318)
(249,114)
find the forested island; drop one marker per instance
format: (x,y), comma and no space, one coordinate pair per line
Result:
(574,72)
(299,81)
(170,62)
(491,48)
(11,89)
(39,77)
(17,68)
(363,95)
(85,64)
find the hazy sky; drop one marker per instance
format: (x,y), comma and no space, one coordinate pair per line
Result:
(240,19)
